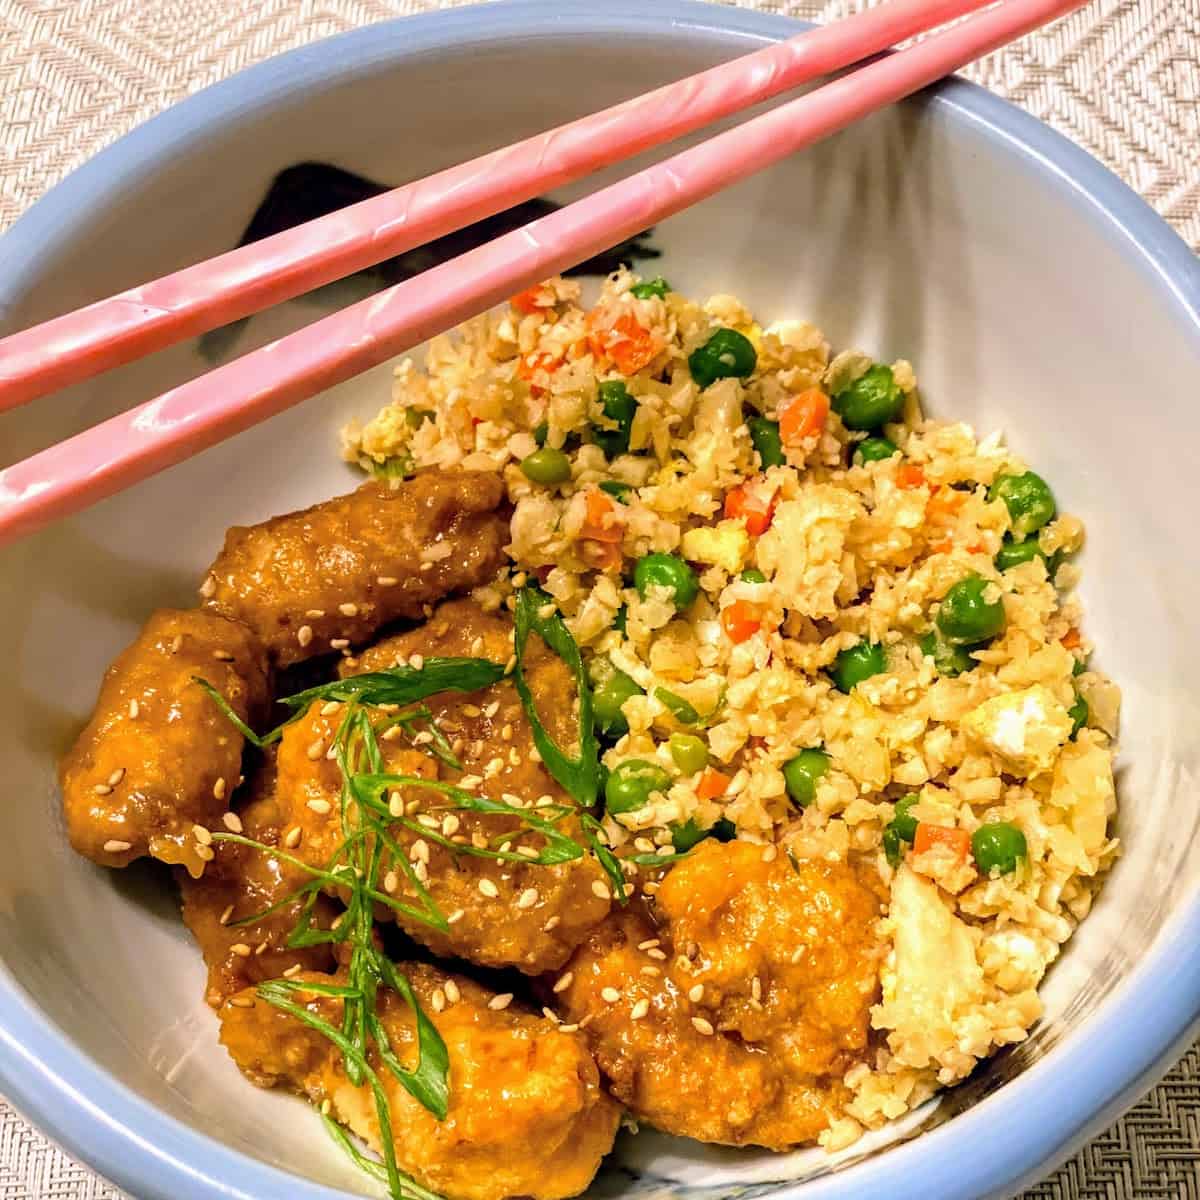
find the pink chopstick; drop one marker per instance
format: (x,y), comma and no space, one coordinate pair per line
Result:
(182,422)
(137,322)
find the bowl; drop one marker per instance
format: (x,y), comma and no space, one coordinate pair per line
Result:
(1035,293)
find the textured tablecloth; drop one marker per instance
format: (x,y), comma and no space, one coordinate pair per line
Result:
(1121,78)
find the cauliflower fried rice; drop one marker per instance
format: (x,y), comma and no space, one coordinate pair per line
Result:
(883,661)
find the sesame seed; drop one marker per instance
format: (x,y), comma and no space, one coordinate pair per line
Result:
(756,988)
(506,733)
(428,821)
(338,643)
(292,840)
(209,587)
(649,943)
(552,923)
(304,635)
(240,949)
(496,1003)
(645,845)
(768,855)
(419,851)
(546,611)
(321,807)
(452,992)
(650,887)
(534,755)
(488,888)
(438,1000)
(242,1002)
(700,1025)
(177,643)
(527,852)
(205,853)
(262,947)
(696,994)
(331,753)
(797,954)
(492,709)
(639,1010)
(477,647)
(426,566)
(610,995)
(651,972)
(395,804)
(102,789)
(450,825)
(226,913)
(544,802)
(600,890)
(494,767)
(134,709)
(326,1107)
(202,835)
(349,609)
(316,749)
(114,846)
(456,916)
(417,662)
(222,656)
(219,789)
(528,898)
(315,614)
(232,822)
(471,710)
(294,969)
(564,982)
(386,580)
(568,1028)
(470,781)
(511,665)
(550,1015)
(421,871)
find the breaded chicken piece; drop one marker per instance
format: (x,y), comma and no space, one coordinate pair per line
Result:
(687,1038)
(331,575)
(515,914)
(240,882)
(158,757)
(527,1115)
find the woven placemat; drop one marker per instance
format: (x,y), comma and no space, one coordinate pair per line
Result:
(1121,78)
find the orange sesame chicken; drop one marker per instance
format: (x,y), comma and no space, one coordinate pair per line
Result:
(730,1008)
(158,758)
(501,913)
(527,1115)
(329,576)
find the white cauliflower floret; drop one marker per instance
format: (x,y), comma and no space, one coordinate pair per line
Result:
(725,545)
(1025,729)
(1083,787)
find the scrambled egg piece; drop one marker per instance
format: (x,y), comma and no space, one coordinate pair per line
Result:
(1025,729)
(724,545)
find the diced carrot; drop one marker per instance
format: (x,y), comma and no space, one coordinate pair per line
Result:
(909,475)
(803,416)
(975,548)
(942,499)
(532,300)
(528,365)
(1072,641)
(712,784)
(741,620)
(601,524)
(754,504)
(625,342)
(942,547)
(928,836)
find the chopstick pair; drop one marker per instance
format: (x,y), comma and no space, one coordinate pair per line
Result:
(150,437)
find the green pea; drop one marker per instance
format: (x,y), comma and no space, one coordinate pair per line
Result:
(612,689)
(1078,712)
(618,491)
(893,845)
(416,417)
(857,663)
(998,845)
(874,449)
(651,287)
(618,405)
(764,436)
(541,433)
(688,752)
(547,466)
(967,616)
(630,784)
(802,772)
(902,821)
(1013,554)
(670,571)
(727,354)
(753,575)
(870,401)
(1029,501)
(949,660)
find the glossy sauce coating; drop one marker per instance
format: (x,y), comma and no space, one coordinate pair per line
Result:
(242,881)
(504,913)
(527,1115)
(158,756)
(331,575)
(686,1038)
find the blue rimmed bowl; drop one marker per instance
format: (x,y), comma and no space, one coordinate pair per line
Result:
(1034,292)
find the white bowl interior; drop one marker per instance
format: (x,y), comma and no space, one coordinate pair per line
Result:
(914,235)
